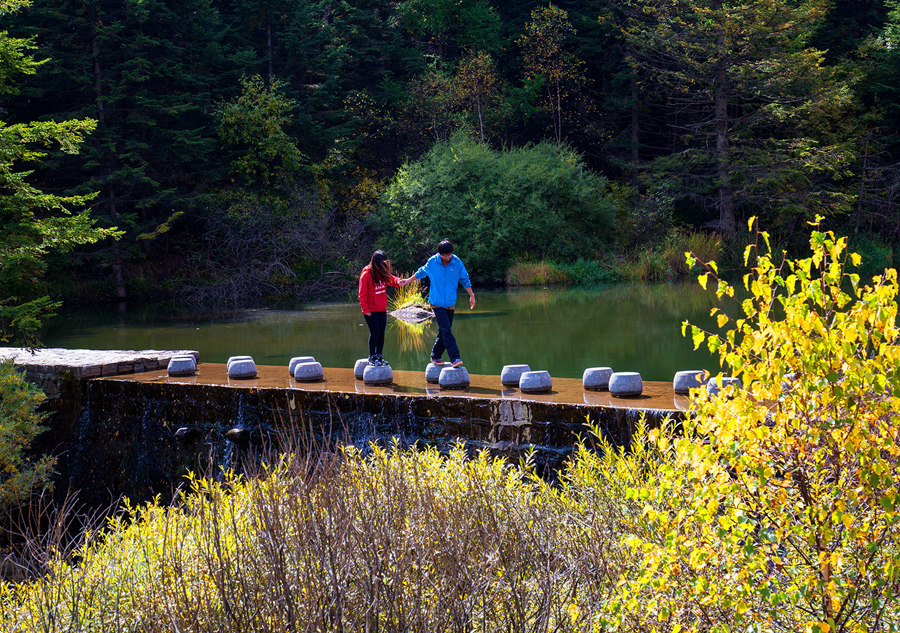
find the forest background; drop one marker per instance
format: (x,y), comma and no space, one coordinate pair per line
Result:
(253,152)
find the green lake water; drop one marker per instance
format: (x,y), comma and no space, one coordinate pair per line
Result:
(628,328)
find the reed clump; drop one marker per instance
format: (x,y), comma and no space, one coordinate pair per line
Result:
(395,540)
(408,296)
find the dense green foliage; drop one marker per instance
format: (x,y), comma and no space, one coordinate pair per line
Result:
(495,206)
(698,113)
(33,223)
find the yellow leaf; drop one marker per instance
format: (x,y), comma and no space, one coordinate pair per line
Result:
(702,279)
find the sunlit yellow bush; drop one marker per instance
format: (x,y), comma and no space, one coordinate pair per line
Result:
(777,509)
(395,540)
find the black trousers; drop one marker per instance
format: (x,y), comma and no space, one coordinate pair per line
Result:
(377,322)
(445,339)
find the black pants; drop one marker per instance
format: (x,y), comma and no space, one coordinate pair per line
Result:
(376,321)
(445,338)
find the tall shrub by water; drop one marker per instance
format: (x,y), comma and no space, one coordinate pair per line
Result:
(496,206)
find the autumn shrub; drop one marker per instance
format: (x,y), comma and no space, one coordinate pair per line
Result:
(393,540)
(20,423)
(777,509)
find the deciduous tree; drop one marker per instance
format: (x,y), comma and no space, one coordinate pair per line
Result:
(475,86)
(547,56)
(779,506)
(252,127)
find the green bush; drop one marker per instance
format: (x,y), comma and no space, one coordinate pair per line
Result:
(20,423)
(666,262)
(876,255)
(497,207)
(581,272)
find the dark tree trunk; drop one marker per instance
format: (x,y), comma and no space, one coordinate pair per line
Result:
(118,275)
(725,193)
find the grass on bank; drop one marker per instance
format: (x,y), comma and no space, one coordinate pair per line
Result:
(664,262)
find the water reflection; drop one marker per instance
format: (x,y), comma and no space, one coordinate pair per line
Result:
(632,328)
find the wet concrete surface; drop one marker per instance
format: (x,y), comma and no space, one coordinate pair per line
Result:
(340,380)
(137,434)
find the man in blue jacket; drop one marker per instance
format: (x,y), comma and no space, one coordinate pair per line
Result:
(445,271)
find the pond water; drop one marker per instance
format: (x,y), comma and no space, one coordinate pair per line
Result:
(628,328)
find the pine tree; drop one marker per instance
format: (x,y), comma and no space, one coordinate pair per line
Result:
(150,74)
(33,222)
(748,104)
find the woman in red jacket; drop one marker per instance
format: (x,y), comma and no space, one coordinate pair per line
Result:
(373,283)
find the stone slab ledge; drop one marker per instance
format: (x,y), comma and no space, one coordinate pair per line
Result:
(88,363)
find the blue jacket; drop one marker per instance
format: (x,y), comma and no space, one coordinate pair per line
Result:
(444,279)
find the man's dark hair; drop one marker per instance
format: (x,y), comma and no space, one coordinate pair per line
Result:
(445,247)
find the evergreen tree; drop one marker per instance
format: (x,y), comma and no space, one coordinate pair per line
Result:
(149,73)
(748,103)
(331,51)
(879,165)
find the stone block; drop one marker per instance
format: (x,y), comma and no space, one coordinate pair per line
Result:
(453,378)
(234,359)
(296,360)
(714,386)
(182,366)
(433,373)
(359,367)
(535,382)
(688,379)
(87,371)
(378,375)
(109,369)
(626,383)
(510,374)
(596,378)
(242,368)
(310,371)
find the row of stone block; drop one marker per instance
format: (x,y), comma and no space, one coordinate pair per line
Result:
(620,384)
(629,383)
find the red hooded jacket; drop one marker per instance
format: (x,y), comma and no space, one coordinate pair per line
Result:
(372,296)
